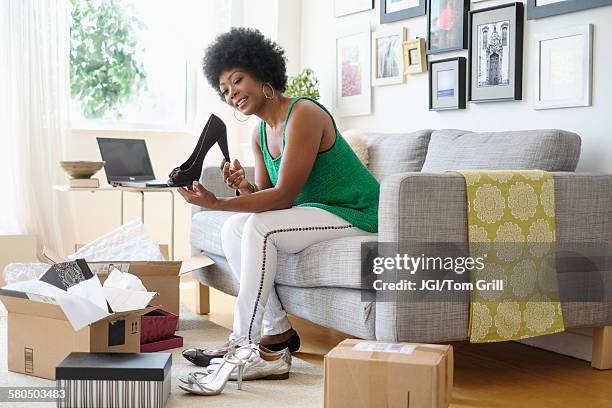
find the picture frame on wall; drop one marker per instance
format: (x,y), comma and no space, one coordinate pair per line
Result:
(352,90)
(415,56)
(387,56)
(396,10)
(447,28)
(346,7)
(447,79)
(496,53)
(564,69)
(547,8)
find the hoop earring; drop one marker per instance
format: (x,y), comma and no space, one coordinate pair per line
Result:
(263,90)
(238,119)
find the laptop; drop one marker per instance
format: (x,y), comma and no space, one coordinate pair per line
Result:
(128,163)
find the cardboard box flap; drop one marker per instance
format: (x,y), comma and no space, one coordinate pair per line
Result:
(139,268)
(419,354)
(31,307)
(195,263)
(131,313)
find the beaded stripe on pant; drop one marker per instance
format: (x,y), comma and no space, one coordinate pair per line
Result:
(263,266)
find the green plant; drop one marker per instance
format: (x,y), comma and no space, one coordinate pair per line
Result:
(305,84)
(104,72)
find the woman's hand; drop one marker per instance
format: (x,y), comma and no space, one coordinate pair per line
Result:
(198,195)
(234,176)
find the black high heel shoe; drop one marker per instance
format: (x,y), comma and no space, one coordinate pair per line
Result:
(190,171)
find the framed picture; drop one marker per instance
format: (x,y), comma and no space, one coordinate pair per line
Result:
(346,7)
(387,56)
(352,93)
(396,10)
(415,57)
(447,84)
(496,53)
(564,71)
(546,8)
(447,28)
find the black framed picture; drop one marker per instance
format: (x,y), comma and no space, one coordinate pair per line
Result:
(546,8)
(447,84)
(447,28)
(496,53)
(396,10)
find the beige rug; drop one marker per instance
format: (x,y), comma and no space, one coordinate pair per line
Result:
(304,388)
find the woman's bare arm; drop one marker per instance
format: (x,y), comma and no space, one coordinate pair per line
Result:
(302,140)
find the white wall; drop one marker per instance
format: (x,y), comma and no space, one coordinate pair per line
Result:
(404,108)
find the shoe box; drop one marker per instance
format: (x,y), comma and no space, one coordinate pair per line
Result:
(373,374)
(129,380)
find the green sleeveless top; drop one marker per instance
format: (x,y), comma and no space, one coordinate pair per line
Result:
(338,182)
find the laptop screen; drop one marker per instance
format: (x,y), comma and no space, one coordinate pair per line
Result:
(126,159)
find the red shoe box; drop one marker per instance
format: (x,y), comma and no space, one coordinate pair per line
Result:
(157,325)
(161,345)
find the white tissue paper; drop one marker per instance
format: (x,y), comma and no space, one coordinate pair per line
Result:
(129,242)
(79,310)
(19,272)
(124,280)
(126,292)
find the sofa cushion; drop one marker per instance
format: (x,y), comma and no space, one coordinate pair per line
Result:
(206,230)
(390,153)
(550,150)
(333,263)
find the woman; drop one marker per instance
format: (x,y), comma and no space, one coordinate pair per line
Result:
(309,185)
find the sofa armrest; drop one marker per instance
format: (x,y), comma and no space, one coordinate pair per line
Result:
(431,207)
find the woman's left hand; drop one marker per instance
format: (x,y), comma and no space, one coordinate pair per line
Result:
(198,195)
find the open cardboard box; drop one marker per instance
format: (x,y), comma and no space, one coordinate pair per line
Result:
(162,277)
(40,335)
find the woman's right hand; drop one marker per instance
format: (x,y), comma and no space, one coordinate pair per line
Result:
(234,176)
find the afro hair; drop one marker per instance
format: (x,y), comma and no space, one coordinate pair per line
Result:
(248,49)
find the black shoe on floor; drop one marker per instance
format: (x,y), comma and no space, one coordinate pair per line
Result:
(190,171)
(202,357)
(292,343)
(199,357)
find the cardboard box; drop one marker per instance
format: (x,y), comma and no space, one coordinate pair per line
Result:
(372,374)
(40,335)
(162,277)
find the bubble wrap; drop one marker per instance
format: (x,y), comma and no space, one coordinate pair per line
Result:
(127,243)
(19,272)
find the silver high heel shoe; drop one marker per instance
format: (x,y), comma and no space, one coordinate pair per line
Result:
(213,383)
(263,364)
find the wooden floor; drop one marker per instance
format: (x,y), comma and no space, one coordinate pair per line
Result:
(495,375)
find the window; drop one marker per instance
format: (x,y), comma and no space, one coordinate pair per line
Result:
(131,61)
(485,37)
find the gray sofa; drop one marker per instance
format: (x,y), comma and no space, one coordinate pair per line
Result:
(419,201)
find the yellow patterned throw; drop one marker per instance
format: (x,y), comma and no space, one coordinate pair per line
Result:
(511,224)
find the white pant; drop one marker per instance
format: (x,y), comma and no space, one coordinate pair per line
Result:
(251,241)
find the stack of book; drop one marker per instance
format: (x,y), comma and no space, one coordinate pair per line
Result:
(84,183)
